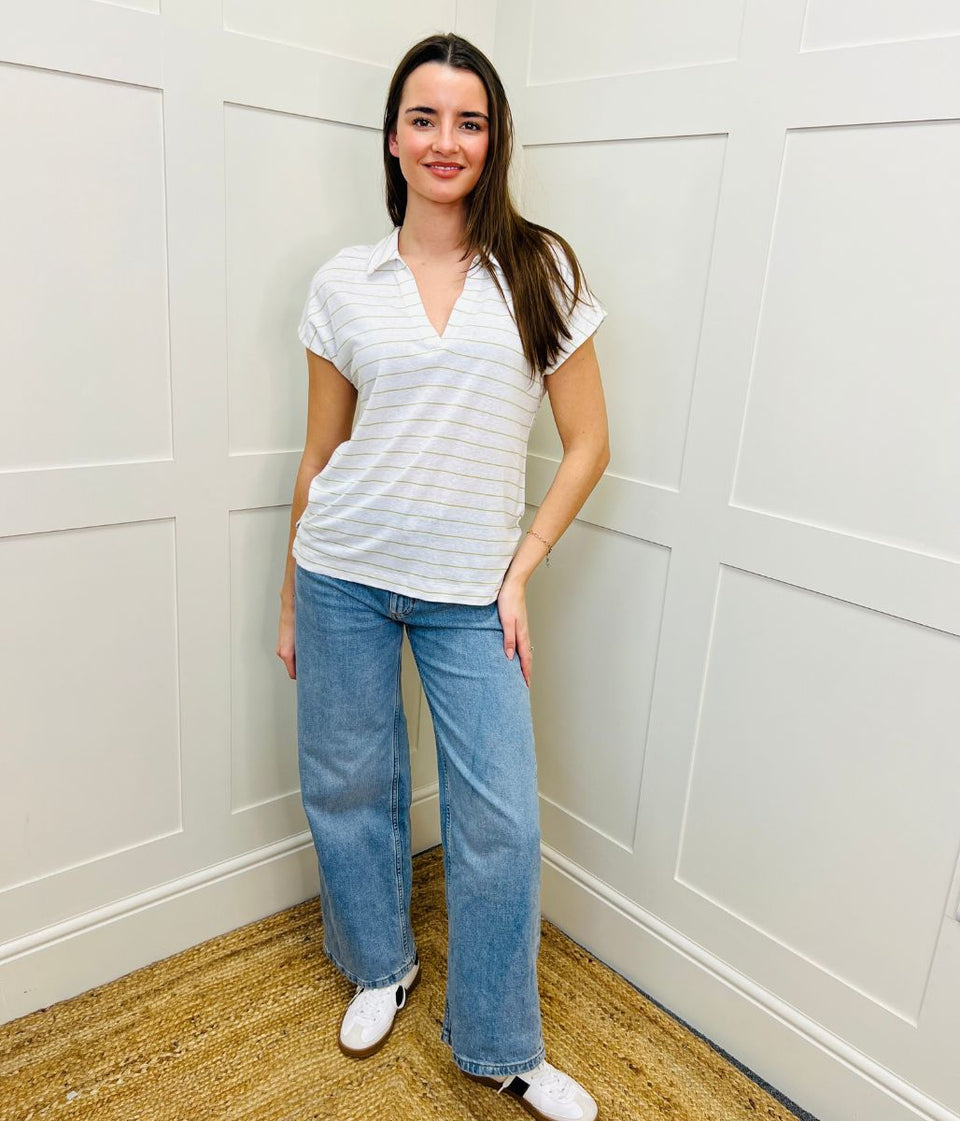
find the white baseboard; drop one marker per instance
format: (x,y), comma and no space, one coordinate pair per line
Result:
(818,1071)
(80,953)
(108,942)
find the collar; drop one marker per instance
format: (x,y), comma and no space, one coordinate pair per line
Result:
(388,249)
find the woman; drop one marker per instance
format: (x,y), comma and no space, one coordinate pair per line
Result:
(441,334)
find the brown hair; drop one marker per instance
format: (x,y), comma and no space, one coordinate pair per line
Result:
(494,225)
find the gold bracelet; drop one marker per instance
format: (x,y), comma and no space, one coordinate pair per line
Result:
(545,541)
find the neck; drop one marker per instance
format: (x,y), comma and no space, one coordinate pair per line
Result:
(432,233)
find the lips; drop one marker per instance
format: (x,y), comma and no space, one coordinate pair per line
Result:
(447,166)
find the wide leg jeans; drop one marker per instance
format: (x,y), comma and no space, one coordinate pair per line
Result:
(355,784)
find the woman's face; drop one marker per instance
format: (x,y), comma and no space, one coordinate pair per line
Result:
(442,120)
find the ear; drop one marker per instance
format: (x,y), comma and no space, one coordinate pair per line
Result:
(392,143)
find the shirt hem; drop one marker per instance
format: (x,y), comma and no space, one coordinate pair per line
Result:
(396,585)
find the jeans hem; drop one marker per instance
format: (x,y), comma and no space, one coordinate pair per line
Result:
(387,979)
(474,1066)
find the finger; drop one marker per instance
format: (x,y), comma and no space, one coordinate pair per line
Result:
(526,658)
(510,637)
(289,660)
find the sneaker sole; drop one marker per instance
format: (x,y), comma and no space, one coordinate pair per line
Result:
(532,1110)
(362,1053)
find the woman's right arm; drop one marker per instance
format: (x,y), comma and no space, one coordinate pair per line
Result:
(331,405)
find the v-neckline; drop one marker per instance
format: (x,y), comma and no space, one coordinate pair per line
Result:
(436,337)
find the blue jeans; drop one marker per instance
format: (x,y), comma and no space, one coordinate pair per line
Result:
(355,784)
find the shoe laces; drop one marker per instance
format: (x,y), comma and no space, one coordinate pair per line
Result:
(370,1004)
(554,1083)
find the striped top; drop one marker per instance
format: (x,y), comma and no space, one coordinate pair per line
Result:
(426,496)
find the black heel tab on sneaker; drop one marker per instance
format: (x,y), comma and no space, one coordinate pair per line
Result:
(515,1085)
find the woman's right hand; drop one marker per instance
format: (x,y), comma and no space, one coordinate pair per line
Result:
(286,641)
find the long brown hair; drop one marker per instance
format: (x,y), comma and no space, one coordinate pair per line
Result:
(494,225)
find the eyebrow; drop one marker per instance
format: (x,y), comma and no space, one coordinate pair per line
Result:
(427,109)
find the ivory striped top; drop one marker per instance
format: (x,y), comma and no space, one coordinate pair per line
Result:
(426,496)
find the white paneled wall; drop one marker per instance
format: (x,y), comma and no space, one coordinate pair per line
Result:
(747,645)
(84,272)
(91,761)
(173,175)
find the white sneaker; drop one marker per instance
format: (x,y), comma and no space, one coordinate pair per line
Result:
(547,1093)
(368,1019)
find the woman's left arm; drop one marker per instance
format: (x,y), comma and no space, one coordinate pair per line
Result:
(576,398)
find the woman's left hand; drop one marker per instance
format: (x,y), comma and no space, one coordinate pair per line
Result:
(512,605)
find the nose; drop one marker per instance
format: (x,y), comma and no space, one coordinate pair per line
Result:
(444,140)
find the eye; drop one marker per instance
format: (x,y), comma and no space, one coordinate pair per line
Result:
(473,126)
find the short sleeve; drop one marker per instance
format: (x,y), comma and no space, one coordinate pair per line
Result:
(316,330)
(582,321)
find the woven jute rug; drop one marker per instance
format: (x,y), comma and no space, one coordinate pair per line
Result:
(244,1027)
